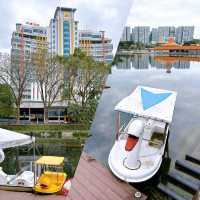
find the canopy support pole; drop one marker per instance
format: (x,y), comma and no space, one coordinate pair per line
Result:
(34,168)
(118,125)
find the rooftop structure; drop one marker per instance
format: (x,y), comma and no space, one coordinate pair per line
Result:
(171,45)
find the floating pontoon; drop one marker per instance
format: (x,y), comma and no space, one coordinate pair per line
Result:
(143,120)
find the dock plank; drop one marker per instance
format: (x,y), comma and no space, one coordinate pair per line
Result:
(93,181)
(8,195)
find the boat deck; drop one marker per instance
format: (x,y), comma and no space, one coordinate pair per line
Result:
(92,181)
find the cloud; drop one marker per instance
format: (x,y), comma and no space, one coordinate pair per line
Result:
(166,12)
(95,15)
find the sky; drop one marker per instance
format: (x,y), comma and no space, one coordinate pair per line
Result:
(92,14)
(108,15)
(156,13)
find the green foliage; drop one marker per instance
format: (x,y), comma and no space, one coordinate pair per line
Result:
(194,41)
(82,114)
(131,45)
(80,134)
(84,80)
(45,127)
(6,101)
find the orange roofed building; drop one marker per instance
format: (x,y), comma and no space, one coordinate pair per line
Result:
(172,47)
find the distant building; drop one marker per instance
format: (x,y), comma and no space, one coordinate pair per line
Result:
(164,33)
(154,38)
(26,39)
(126,35)
(141,34)
(184,34)
(63,32)
(95,44)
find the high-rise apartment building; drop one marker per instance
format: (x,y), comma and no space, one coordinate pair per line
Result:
(126,35)
(141,34)
(184,34)
(26,39)
(63,32)
(164,32)
(154,36)
(96,44)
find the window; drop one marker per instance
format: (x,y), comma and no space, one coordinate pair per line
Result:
(27,30)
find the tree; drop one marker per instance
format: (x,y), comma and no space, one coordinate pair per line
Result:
(86,77)
(48,73)
(16,75)
(6,101)
(84,81)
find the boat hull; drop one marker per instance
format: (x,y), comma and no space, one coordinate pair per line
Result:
(16,188)
(50,182)
(149,165)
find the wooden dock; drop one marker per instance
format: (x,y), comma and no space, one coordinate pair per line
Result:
(92,181)
(8,195)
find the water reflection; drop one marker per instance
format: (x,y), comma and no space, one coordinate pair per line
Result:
(20,158)
(146,61)
(146,70)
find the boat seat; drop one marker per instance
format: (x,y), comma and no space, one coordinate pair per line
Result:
(131,142)
(44,181)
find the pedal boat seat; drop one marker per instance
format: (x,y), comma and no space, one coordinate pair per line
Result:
(131,142)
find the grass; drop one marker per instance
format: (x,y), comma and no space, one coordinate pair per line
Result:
(68,143)
(45,127)
(79,133)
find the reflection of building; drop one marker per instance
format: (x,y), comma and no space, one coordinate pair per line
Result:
(182,65)
(63,32)
(26,39)
(95,44)
(140,61)
(141,34)
(168,62)
(184,34)
(125,63)
(126,35)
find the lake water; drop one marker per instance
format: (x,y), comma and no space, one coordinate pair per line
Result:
(180,75)
(47,143)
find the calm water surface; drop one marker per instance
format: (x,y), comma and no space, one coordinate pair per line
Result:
(52,144)
(180,76)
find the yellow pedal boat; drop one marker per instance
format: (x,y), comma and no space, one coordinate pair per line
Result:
(51,179)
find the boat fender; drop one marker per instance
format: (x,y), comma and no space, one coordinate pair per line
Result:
(66,187)
(2,156)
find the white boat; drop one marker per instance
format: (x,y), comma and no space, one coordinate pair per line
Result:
(143,120)
(24,180)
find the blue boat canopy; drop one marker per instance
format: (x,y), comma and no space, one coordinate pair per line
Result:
(149,103)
